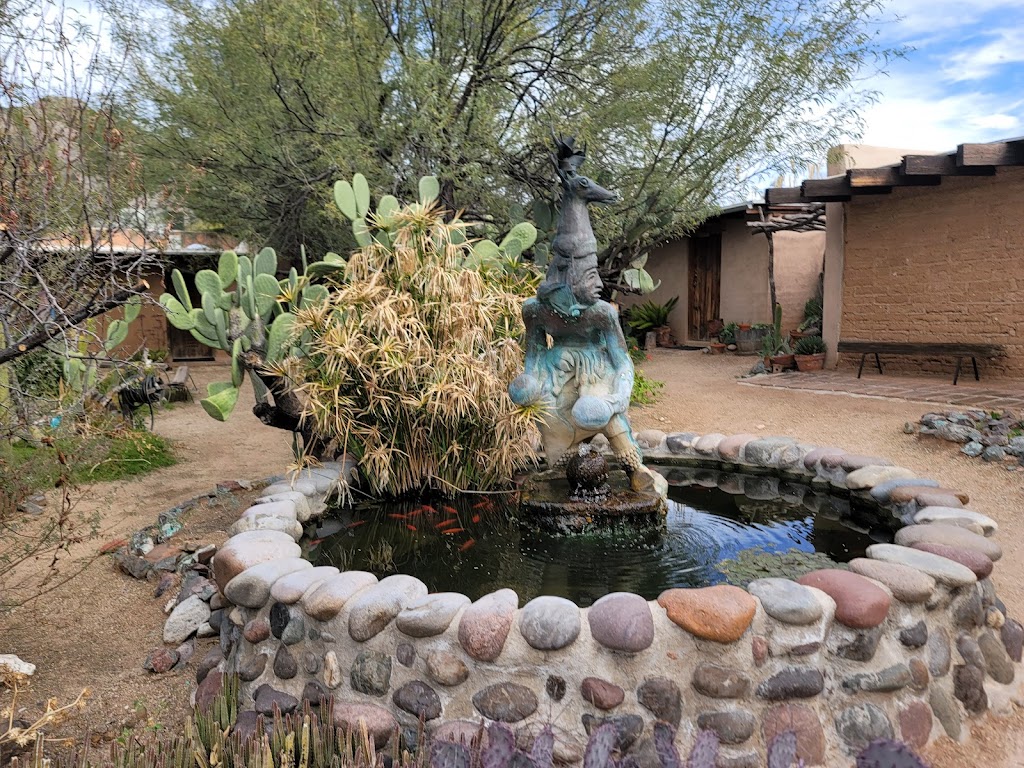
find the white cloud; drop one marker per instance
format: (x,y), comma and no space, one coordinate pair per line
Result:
(982,62)
(946,18)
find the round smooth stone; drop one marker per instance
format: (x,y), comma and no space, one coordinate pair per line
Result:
(906,584)
(303,510)
(601,693)
(872,475)
(327,600)
(485,624)
(786,600)
(708,444)
(883,490)
(379,723)
(815,455)
(964,518)
(305,487)
(446,668)
(976,561)
(290,588)
(251,588)
(622,621)
(951,536)
(908,493)
(375,608)
(721,613)
(548,623)
(506,702)
(860,604)
(244,550)
(939,568)
(431,615)
(283,509)
(731,448)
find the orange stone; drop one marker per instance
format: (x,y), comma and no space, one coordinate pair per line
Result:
(721,613)
(860,603)
(907,493)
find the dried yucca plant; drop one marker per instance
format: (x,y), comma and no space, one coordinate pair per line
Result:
(408,361)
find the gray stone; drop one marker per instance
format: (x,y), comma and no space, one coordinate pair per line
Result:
(862,647)
(708,444)
(792,683)
(431,615)
(267,700)
(622,621)
(289,526)
(763,451)
(973,449)
(375,608)
(304,510)
(965,518)
(739,760)
(993,453)
(549,623)
(969,688)
(185,619)
(446,668)
(946,710)
(889,679)
(649,439)
(310,662)
(252,668)
(732,727)
(326,601)
(915,636)
(290,588)
(939,568)
(663,698)
(939,652)
(209,662)
(506,702)
(950,535)
(371,673)
(967,610)
(907,584)
(1012,635)
(883,490)
(304,487)
(419,699)
(485,624)
(680,442)
(314,693)
(627,728)
(861,724)
(285,666)
(786,600)
(406,654)
(720,682)
(294,632)
(997,660)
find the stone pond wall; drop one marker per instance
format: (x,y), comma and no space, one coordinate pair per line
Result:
(910,642)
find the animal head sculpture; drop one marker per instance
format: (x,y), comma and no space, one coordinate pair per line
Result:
(567,162)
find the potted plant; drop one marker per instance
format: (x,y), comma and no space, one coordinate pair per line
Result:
(728,334)
(810,353)
(811,324)
(778,355)
(717,347)
(650,316)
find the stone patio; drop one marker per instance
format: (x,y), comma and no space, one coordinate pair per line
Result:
(1000,395)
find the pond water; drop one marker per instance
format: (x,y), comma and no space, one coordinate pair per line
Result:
(476,544)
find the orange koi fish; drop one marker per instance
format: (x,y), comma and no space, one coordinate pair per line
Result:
(450,510)
(429,509)
(476,518)
(467,544)
(356,524)
(411,527)
(448,531)
(485,504)
(397,516)
(446,523)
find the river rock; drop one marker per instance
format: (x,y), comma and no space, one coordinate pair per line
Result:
(160,660)
(431,615)
(327,600)
(803,721)
(860,604)
(786,601)
(815,456)
(909,493)
(720,682)
(485,624)
(861,724)
(549,623)
(303,509)
(627,728)
(969,650)
(650,439)
(372,610)
(505,702)
(882,491)
(622,621)
(245,550)
(950,535)
(946,710)
(915,723)
(371,673)
(379,723)
(332,670)
(680,442)
(305,487)
(884,680)
(939,652)
(663,698)
(969,688)
(467,732)
(251,588)
(939,568)
(267,699)
(862,646)
(919,676)
(290,526)
(256,630)
(285,666)
(997,660)
(419,699)
(731,727)
(938,497)
(446,668)
(406,654)
(568,749)
(1012,635)
(708,444)
(730,449)
(314,693)
(965,518)
(601,693)
(252,668)
(721,613)
(915,636)
(976,561)
(907,584)
(290,588)
(792,683)
(873,474)
(185,619)
(764,451)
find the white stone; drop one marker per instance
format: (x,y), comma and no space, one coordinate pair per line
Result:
(13,665)
(267,523)
(966,518)
(251,588)
(285,509)
(869,477)
(185,619)
(304,509)
(325,601)
(939,568)
(289,589)
(305,487)
(244,550)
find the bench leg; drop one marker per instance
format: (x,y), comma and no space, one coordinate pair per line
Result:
(878,364)
(860,370)
(974,362)
(956,373)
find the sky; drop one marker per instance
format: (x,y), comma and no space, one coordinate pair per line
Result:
(962,82)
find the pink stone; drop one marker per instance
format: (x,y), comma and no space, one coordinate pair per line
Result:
(380,724)
(860,604)
(622,621)
(601,693)
(916,723)
(803,721)
(818,454)
(721,613)
(485,624)
(732,446)
(976,561)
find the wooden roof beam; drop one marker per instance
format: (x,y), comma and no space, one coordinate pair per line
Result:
(785,195)
(859,178)
(941,165)
(993,154)
(837,189)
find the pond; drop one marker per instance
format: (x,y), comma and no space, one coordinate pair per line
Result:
(477,544)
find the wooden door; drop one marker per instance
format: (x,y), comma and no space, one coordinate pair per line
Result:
(183,345)
(705,276)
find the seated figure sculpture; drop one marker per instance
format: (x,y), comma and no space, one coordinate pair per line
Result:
(584,378)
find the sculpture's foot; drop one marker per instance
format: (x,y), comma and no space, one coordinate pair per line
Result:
(647,480)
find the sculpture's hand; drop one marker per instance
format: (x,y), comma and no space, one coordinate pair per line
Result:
(618,403)
(592,412)
(525,390)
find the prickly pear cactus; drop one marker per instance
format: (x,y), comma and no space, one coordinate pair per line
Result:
(600,747)
(782,750)
(887,753)
(703,752)
(447,754)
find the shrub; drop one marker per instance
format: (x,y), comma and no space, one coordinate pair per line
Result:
(810,345)
(650,315)
(645,389)
(408,360)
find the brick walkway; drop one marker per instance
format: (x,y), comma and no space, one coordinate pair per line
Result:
(999,395)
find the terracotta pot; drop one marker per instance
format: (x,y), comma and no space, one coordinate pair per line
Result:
(782,362)
(664,336)
(806,363)
(717,348)
(744,326)
(796,335)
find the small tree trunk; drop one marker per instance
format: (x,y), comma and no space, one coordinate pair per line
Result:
(771,271)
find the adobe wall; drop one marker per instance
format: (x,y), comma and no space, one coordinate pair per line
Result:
(669,263)
(938,264)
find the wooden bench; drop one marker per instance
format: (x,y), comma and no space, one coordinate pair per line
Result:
(957,350)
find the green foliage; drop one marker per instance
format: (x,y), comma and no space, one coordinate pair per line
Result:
(645,389)
(810,345)
(406,365)
(97,456)
(774,343)
(728,334)
(757,563)
(650,315)
(672,99)
(813,312)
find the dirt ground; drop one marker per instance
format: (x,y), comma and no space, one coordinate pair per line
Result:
(96,630)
